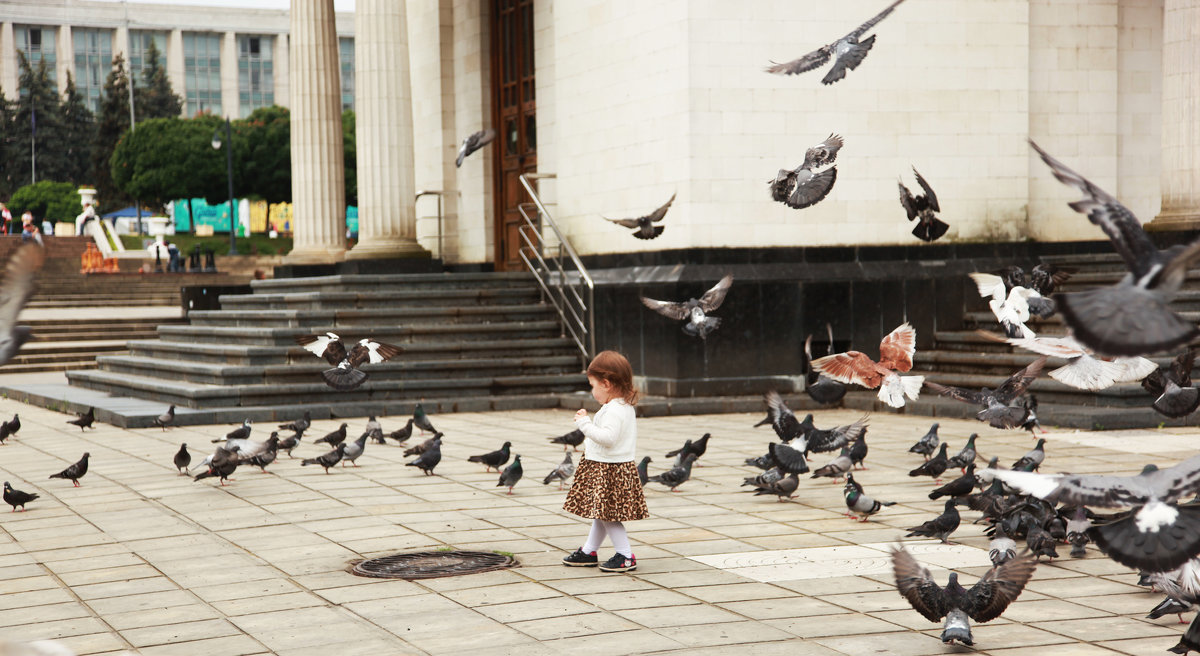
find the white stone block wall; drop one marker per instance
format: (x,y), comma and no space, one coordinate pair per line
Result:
(469,232)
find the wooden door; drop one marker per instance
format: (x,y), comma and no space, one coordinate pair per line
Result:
(515,119)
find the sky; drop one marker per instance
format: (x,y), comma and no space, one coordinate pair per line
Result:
(339,5)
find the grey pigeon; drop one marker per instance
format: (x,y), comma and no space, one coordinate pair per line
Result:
(997,403)
(166,419)
(837,468)
(643,476)
(966,457)
(1158,535)
(1001,548)
(564,470)
(472,143)
(75,471)
(288,443)
(1077,532)
(329,459)
(424,446)
(1039,540)
(695,311)
(928,442)
(334,438)
(15,497)
(1176,397)
(787,459)
(299,425)
(345,374)
(570,440)
(923,208)
(429,458)
(267,455)
(1132,317)
(784,488)
(401,435)
(823,440)
(848,52)
(374,430)
(1033,460)
(85,420)
(697,448)
(493,459)
(421,420)
(644,226)
(240,433)
(15,290)
(780,417)
(939,527)
(511,474)
(763,462)
(1182,587)
(821,388)
(802,186)
(983,602)
(354,450)
(771,475)
(858,503)
(935,466)
(222,464)
(182,459)
(676,476)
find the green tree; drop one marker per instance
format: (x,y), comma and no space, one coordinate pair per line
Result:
(350,157)
(111,123)
(169,158)
(156,99)
(9,160)
(37,132)
(267,166)
(57,201)
(79,131)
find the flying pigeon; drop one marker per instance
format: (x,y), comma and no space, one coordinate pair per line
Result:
(511,474)
(858,503)
(564,470)
(75,471)
(935,466)
(335,437)
(345,374)
(430,457)
(223,463)
(959,487)
(473,143)
(1001,548)
(939,527)
(983,602)
(693,311)
(837,467)
(493,459)
(696,448)
(676,476)
(821,388)
(848,52)
(644,226)
(166,419)
(401,435)
(780,417)
(572,440)
(643,476)
(928,442)
(15,290)
(15,497)
(1032,460)
(824,440)
(353,450)
(421,420)
(895,356)
(1131,317)
(299,425)
(789,460)
(85,420)
(784,488)
(966,457)
(1011,305)
(1084,370)
(923,207)
(182,459)
(1156,536)
(328,459)
(802,186)
(997,408)
(1173,386)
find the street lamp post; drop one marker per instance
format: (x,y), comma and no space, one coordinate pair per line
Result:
(216,144)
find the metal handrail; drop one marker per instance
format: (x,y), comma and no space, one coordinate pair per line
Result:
(439,193)
(572,293)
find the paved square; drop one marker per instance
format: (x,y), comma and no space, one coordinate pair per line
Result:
(139,559)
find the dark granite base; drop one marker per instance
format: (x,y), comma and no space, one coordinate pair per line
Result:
(366,267)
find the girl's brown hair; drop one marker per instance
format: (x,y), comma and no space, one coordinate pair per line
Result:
(613,367)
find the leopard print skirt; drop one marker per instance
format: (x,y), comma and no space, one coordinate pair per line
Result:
(610,491)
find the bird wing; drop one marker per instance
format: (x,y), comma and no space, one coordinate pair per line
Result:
(783,420)
(917,586)
(862,29)
(824,152)
(1181,367)
(959,393)
(897,348)
(1060,347)
(805,63)
(850,367)
(1046,277)
(624,223)
(787,459)
(837,438)
(369,350)
(930,197)
(18,283)
(1017,383)
(658,214)
(989,285)
(1080,489)
(669,309)
(811,188)
(1118,223)
(324,346)
(781,186)
(988,598)
(714,297)
(909,203)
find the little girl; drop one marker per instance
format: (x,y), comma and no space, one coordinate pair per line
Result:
(607,489)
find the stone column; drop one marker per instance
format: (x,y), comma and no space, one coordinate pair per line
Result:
(172,59)
(8,60)
(383,109)
(1180,116)
(230,73)
(64,51)
(282,76)
(318,191)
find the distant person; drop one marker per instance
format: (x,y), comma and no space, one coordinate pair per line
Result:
(5,218)
(47,227)
(173,264)
(29,231)
(88,214)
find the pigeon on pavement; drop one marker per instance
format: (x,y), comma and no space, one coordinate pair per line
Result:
(240,433)
(928,443)
(329,459)
(787,459)
(1077,532)
(570,440)
(423,446)
(299,425)
(696,448)
(374,430)
(472,143)
(430,456)
(166,419)
(695,311)
(222,463)
(1001,548)
(676,476)
(858,503)
(345,374)
(858,452)
(847,52)
(354,449)
(335,437)
(564,470)
(511,474)
(401,435)
(959,487)
(85,420)
(643,475)
(493,459)
(288,443)
(935,466)
(266,456)
(895,356)
(837,468)
(784,488)
(15,497)
(644,226)
(1033,460)
(939,527)
(421,420)
(966,457)
(182,459)
(75,471)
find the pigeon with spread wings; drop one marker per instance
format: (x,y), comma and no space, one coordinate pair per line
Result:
(922,208)
(997,405)
(802,186)
(822,388)
(1131,317)
(848,52)
(345,374)
(895,357)
(1173,385)
(643,226)
(15,290)
(695,311)
(473,143)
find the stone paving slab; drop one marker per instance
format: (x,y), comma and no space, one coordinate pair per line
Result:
(141,560)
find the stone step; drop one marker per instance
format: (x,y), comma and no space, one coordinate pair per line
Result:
(196,395)
(399,335)
(373,318)
(999,364)
(84,335)
(375,299)
(391,282)
(1047,389)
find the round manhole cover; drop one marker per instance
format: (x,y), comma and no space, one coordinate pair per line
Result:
(433,564)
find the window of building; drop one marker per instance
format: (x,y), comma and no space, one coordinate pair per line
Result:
(38,45)
(93,61)
(202,72)
(346,56)
(256,75)
(139,44)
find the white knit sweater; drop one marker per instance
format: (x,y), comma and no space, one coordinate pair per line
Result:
(612,435)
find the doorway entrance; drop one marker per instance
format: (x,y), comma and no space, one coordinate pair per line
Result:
(514,115)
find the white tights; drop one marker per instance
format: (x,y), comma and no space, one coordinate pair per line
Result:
(615,531)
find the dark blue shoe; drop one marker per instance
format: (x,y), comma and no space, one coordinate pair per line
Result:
(580,559)
(619,563)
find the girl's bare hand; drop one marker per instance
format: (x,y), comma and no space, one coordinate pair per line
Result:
(581,413)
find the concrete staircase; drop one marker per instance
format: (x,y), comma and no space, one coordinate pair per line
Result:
(471,341)
(965,359)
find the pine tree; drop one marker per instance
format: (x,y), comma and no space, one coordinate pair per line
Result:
(156,99)
(111,124)
(37,130)
(79,130)
(8,156)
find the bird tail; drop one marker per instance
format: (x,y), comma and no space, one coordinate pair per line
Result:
(475,459)
(1181,403)
(205,474)
(343,379)
(1146,324)
(1159,550)
(308,461)
(1168,606)
(912,386)
(957,628)
(1190,640)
